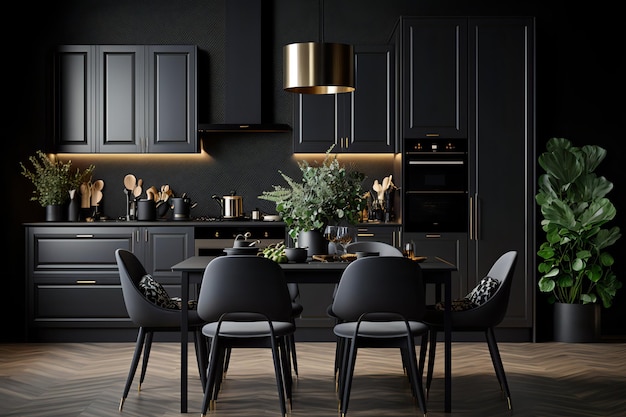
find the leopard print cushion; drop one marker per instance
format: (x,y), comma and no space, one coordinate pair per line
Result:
(155,292)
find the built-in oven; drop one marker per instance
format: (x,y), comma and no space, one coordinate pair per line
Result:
(436,185)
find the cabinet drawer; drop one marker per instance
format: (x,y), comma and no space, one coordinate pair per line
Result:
(78,251)
(387,234)
(79,301)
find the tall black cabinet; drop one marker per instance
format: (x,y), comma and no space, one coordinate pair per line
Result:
(473,78)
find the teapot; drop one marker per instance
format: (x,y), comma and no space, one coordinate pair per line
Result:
(231,205)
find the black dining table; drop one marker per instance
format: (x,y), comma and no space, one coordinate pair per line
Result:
(434,271)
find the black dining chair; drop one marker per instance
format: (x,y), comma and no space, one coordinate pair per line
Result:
(296,310)
(150,308)
(383,249)
(480,311)
(246,304)
(380,303)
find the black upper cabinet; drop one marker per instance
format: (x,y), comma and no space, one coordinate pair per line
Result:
(125,99)
(434,77)
(361,121)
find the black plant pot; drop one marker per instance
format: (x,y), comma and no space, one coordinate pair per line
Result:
(576,323)
(55,213)
(314,241)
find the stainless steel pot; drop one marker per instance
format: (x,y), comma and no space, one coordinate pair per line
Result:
(231,205)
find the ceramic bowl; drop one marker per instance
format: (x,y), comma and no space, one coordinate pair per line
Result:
(297,255)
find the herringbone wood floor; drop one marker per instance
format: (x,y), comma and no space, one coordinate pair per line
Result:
(87,379)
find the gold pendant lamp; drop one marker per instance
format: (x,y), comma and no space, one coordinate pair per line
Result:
(318,67)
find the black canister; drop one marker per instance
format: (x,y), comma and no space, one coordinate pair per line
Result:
(182,207)
(146,210)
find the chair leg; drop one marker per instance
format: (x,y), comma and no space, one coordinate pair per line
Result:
(146,356)
(432,348)
(291,346)
(278,370)
(141,335)
(414,375)
(348,370)
(497,364)
(201,355)
(215,357)
(285,364)
(423,349)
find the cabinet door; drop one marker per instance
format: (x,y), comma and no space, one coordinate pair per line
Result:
(120,103)
(74,125)
(370,122)
(125,99)
(434,93)
(448,247)
(361,121)
(502,180)
(171,99)
(315,122)
(166,246)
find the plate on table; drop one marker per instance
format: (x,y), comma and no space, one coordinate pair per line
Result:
(246,250)
(271,218)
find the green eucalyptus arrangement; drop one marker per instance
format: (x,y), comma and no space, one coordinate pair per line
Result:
(328,193)
(53,179)
(575,267)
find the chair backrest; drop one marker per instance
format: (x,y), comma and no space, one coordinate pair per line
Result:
(141,311)
(380,284)
(244,284)
(492,311)
(384,249)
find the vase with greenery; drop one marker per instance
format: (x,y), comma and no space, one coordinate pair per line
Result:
(327,193)
(575,266)
(53,179)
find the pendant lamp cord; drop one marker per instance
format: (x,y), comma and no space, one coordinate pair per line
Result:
(321,20)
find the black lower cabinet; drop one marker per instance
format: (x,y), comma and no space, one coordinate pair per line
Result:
(73,288)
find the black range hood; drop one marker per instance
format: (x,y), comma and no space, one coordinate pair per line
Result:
(243,105)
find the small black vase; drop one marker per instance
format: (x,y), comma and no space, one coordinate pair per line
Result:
(73,210)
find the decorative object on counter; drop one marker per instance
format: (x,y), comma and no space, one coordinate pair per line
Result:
(53,180)
(231,206)
(381,208)
(575,267)
(73,208)
(146,209)
(328,194)
(131,187)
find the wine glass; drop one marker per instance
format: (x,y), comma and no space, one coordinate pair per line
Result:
(340,236)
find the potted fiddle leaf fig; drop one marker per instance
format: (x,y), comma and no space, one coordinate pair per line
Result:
(327,194)
(53,180)
(575,268)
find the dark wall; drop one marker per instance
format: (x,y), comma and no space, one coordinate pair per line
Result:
(580,81)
